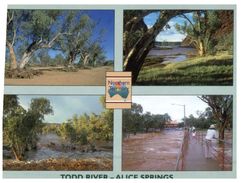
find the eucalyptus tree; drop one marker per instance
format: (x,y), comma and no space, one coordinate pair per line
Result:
(136,53)
(132,119)
(82,46)
(31,30)
(221,106)
(81,27)
(21,126)
(200,29)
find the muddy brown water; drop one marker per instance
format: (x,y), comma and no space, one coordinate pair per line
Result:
(222,153)
(151,151)
(44,151)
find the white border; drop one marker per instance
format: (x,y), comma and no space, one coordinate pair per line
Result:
(3,8)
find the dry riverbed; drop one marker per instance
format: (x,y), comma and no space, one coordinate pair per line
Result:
(93,76)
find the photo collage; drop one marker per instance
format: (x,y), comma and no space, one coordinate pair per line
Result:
(120,90)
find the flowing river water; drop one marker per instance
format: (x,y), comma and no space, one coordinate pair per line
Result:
(174,54)
(159,151)
(51,146)
(151,151)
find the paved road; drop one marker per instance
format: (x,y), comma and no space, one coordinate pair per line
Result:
(195,158)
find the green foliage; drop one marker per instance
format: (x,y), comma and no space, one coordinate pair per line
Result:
(201,30)
(203,121)
(20,126)
(10,102)
(88,129)
(209,70)
(132,119)
(49,128)
(222,110)
(41,23)
(66,131)
(32,33)
(14,130)
(226,43)
(221,106)
(134,30)
(41,106)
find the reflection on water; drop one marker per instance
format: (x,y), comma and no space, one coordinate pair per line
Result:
(178,58)
(175,54)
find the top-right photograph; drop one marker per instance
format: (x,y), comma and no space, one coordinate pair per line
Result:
(179,47)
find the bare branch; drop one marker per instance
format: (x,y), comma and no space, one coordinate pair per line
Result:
(50,43)
(10,18)
(185,17)
(14,37)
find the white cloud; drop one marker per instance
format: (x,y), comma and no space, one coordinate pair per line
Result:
(65,107)
(163,104)
(170,35)
(170,38)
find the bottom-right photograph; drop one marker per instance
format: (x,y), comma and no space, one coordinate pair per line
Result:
(178,133)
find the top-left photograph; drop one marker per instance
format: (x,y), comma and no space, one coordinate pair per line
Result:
(59,47)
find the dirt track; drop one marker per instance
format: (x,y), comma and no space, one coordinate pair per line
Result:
(93,77)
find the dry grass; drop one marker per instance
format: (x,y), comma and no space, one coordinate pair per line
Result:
(64,164)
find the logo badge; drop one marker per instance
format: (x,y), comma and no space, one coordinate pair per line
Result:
(118,90)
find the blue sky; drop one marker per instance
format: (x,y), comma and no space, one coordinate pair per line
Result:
(170,35)
(105,21)
(65,107)
(163,104)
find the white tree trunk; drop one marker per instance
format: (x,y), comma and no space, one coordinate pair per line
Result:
(86,59)
(13,64)
(25,59)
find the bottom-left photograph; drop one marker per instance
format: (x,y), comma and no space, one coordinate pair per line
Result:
(45,132)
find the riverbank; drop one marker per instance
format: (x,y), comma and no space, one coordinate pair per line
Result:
(89,164)
(54,153)
(208,70)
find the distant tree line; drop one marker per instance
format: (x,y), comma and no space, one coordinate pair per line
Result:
(134,120)
(219,112)
(203,121)
(33,34)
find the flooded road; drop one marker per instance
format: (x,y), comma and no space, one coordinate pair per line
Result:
(221,152)
(176,54)
(151,151)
